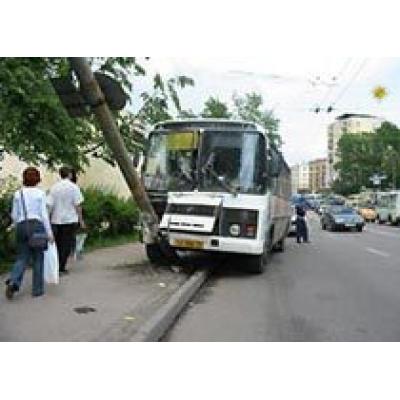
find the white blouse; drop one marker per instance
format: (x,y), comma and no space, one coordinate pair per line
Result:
(35,201)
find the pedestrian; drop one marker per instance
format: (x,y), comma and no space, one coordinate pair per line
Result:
(74,179)
(30,218)
(301,225)
(65,202)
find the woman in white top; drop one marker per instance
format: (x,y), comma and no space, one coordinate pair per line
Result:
(34,218)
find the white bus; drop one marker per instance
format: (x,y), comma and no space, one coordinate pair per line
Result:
(388,207)
(217,186)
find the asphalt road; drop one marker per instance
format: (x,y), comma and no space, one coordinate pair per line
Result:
(341,287)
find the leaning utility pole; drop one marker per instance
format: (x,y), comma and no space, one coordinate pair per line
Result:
(95,98)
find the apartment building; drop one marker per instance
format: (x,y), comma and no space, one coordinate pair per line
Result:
(318,175)
(310,176)
(300,177)
(347,123)
(295,178)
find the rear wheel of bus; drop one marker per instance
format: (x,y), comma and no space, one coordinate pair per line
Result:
(257,264)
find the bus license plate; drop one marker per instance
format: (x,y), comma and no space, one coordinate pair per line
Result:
(189,244)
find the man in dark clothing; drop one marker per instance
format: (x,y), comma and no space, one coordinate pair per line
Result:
(301,225)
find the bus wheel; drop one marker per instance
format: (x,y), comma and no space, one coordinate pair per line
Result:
(280,246)
(161,254)
(257,264)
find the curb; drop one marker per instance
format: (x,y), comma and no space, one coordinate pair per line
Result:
(156,327)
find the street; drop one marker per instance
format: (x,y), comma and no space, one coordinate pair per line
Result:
(341,287)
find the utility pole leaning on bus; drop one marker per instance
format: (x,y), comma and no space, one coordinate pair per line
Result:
(96,99)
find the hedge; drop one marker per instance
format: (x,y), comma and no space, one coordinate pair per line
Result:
(106,216)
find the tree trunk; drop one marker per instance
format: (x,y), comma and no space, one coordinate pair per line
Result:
(96,99)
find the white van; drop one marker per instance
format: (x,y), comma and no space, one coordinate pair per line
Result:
(388,207)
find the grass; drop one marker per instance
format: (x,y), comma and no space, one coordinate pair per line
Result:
(100,243)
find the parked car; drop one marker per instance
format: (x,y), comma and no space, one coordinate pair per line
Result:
(342,218)
(368,212)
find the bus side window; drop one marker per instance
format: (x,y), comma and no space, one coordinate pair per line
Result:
(273,173)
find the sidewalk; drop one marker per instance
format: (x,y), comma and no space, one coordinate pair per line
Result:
(106,297)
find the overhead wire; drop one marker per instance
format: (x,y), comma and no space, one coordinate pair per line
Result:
(350,83)
(318,108)
(335,79)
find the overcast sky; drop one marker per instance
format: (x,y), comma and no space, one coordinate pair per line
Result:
(289,86)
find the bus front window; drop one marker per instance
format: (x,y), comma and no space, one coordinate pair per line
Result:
(171,162)
(232,161)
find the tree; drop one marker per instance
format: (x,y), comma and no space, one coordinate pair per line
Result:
(187,114)
(362,155)
(214,108)
(157,105)
(250,108)
(35,127)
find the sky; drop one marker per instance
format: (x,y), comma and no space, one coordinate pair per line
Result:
(292,87)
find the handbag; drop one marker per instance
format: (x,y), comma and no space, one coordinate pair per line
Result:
(36,239)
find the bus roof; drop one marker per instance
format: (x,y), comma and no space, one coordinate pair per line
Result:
(208,124)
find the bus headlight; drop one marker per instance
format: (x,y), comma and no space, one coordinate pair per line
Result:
(234,230)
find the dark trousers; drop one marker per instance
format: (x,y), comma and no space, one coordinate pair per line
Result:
(302,229)
(64,236)
(25,255)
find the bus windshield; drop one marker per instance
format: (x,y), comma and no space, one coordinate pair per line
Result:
(232,160)
(214,161)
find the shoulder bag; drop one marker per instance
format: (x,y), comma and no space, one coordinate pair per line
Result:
(37,239)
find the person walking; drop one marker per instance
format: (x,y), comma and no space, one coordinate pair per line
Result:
(65,203)
(30,216)
(301,225)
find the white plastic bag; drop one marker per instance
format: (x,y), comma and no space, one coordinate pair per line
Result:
(80,242)
(51,274)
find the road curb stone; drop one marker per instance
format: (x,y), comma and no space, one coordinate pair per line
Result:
(156,327)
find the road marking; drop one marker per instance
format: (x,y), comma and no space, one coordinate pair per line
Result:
(377,252)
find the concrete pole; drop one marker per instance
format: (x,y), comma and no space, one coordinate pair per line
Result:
(95,97)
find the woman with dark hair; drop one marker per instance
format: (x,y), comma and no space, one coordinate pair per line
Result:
(29,215)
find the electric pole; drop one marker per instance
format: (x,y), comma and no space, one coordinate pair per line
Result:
(95,98)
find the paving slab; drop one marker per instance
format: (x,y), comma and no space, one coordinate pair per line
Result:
(106,297)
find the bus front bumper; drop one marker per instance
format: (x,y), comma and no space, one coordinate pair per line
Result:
(184,241)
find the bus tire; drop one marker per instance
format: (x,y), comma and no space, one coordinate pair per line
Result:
(280,246)
(161,254)
(257,264)
(154,254)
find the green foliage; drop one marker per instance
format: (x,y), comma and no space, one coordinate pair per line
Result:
(214,108)
(250,108)
(108,216)
(364,154)
(7,190)
(33,124)
(187,114)
(35,127)
(157,104)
